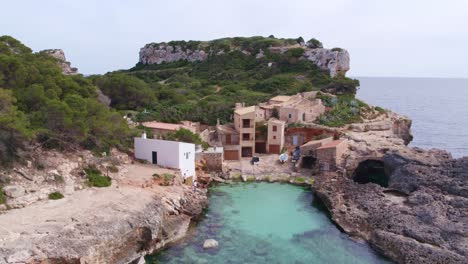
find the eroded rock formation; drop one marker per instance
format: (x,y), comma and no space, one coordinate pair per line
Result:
(336,61)
(62,61)
(419,218)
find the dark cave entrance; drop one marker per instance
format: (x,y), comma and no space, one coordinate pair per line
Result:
(308,162)
(371,171)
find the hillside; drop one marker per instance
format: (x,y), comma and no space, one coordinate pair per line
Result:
(40,106)
(201,81)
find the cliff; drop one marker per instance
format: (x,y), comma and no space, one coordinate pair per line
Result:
(117,224)
(336,60)
(62,61)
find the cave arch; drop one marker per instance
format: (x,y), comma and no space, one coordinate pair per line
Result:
(371,171)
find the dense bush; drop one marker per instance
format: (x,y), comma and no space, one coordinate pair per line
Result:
(207,90)
(55,196)
(38,102)
(185,135)
(345,109)
(2,195)
(96,179)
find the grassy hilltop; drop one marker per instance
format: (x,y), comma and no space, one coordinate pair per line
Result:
(206,90)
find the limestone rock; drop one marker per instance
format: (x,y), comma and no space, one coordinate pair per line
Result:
(336,61)
(210,243)
(14,191)
(62,61)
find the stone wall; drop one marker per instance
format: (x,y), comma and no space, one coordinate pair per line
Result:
(214,161)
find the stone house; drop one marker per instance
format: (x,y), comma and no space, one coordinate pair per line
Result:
(275,136)
(330,155)
(160,129)
(244,123)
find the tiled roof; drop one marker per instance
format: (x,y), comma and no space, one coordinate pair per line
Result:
(245,110)
(332,144)
(281,98)
(163,126)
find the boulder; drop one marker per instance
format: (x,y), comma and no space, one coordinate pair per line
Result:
(14,191)
(210,243)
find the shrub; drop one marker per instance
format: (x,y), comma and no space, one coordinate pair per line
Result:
(113,169)
(96,179)
(337,49)
(300,180)
(157,176)
(58,178)
(55,196)
(379,109)
(168,178)
(2,195)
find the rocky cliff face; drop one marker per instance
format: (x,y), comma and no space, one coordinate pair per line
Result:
(419,218)
(62,61)
(117,224)
(336,61)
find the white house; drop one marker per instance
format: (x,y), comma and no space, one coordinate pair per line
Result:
(165,153)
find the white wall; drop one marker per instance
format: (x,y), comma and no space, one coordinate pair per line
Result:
(187,159)
(171,154)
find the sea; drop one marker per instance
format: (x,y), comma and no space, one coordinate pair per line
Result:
(437,106)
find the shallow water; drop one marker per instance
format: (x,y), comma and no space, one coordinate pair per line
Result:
(266,223)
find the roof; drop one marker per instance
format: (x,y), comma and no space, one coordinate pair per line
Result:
(281,98)
(226,129)
(275,120)
(163,126)
(319,142)
(245,110)
(332,144)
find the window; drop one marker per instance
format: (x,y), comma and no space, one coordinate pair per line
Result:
(274,137)
(289,116)
(245,136)
(303,116)
(275,128)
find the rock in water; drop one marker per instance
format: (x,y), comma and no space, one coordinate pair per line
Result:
(210,243)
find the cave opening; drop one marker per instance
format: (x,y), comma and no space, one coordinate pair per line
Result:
(371,171)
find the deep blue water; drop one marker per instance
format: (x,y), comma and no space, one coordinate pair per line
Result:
(437,106)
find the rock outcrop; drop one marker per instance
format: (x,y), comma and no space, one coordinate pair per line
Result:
(336,61)
(419,218)
(62,61)
(117,224)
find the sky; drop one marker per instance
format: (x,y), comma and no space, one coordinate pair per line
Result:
(401,38)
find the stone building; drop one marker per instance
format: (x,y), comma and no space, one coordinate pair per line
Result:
(275,137)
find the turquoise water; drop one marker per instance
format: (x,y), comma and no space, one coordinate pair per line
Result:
(266,223)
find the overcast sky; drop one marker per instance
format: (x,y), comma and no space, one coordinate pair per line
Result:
(422,38)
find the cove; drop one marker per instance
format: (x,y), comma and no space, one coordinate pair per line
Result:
(266,223)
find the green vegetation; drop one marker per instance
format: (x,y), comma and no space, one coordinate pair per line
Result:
(59,179)
(344,109)
(55,196)
(185,135)
(2,195)
(113,168)
(206,90)
(38,102)
(379,109)
(168,178)
(96,179)
(300,180)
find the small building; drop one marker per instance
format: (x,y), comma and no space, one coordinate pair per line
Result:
(332,152)
(229,138)
(160,129)
(244,123)
(170,154)
(275,138)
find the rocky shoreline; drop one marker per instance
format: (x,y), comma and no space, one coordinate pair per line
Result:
(419,218)
(118,224)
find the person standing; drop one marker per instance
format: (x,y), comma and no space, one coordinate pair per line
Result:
(195,184)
